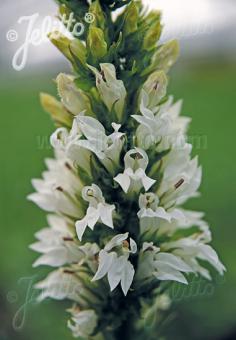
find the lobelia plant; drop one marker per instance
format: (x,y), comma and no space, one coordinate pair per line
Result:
(118,236)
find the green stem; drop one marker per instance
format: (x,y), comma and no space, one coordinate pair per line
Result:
(126,330)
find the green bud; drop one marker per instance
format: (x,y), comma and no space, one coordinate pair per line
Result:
(73,49)
(152,36)
(131,19)
(62,43)
(96,10)
(152,17)
(64,11)
(96,42)
(78,49)
(166,55)
(58,113)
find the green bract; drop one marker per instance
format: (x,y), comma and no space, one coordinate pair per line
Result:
(117,235)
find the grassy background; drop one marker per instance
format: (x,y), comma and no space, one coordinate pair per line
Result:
(206,311)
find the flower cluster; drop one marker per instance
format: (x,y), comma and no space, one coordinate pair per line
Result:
(121,171)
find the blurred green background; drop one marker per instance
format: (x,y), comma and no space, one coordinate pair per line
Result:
(203,311)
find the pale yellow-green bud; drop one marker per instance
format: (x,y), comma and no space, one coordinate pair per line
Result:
(96,10)
(78,49)
(155,87)
(167,55)
(74,100)
(61,42)
(152,36)
(131,19)
(96,42)
(112,90)
(58,113)
(164,58)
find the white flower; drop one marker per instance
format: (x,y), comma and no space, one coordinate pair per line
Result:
(65,141)
(98,210)
(181,177)
(153,213)
(111,90)
(190,219)
(163,266)
(72,98)
(117,268)
(78,149)
(59,285)
(59,189)
(58,246)
(65,283)
(134,176)
(161,125)
(106,148)
(83,322)
(191,249)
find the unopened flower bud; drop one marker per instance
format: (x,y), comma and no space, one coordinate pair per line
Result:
(72,97)
(164,58)
(51,105)
(155,87)
(154,32)
(111,90)
(96,42)
(96,10)
(62,43)
(131,19)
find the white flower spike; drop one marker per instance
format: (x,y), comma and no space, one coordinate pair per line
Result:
(120,156)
